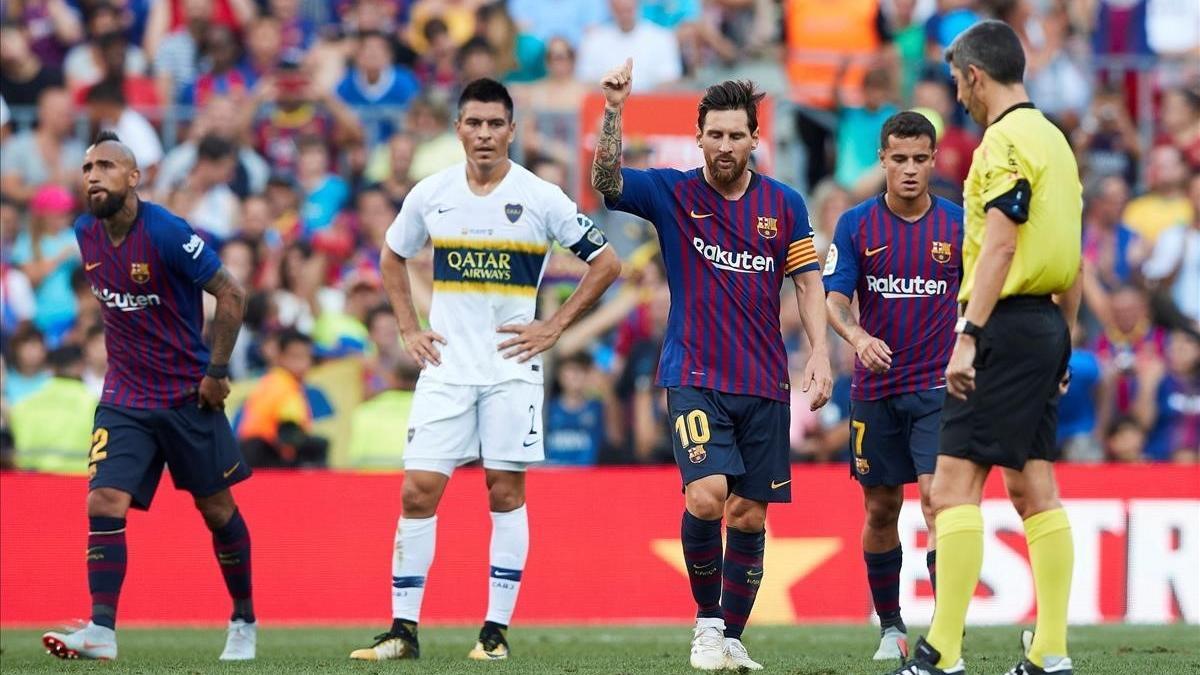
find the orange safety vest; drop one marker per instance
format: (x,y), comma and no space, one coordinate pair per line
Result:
(278,397)
(821,36)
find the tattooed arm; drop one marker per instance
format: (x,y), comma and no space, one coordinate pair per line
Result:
(873,352)
(606,168)
(226,322)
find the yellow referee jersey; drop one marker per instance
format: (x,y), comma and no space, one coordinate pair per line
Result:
(1022,150)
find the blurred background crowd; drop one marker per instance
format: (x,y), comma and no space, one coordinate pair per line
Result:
(288,133)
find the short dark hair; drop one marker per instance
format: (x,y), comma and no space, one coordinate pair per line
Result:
(62,359)
(108,90)
(486,90)
(731,95)
(908,124)
(991,46)
(291,336)
(214,148)
(475,44)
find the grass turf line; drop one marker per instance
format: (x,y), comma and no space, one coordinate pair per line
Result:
(660,650)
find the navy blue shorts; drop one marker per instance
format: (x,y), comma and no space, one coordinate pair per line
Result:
(895,439)
(131,445)
(742,437)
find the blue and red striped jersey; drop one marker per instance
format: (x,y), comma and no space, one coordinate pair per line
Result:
(906,276)
(150,288)
(726,261)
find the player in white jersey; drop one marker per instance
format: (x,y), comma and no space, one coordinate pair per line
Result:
(479,395)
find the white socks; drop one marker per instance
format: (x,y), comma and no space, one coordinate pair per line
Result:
(509,548)
(412,554)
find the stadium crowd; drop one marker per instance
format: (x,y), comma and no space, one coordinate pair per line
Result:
(288,132)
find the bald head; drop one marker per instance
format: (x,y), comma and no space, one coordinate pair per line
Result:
(110,175)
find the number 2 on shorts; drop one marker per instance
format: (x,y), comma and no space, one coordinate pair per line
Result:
(97,453)
(692,428)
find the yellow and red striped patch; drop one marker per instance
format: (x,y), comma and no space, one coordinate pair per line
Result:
(800,253)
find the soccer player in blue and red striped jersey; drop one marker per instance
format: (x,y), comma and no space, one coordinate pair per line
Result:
(164,392)
(901,254)
(729,237)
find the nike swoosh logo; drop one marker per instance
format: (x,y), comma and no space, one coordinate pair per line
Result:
(93,645)
(776,486)
(232,469)
(872,251)
(88,267)
(701,215)
(531,443)
(448,208)
(754,573)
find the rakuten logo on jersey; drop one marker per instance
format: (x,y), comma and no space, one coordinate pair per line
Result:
(733,261)
(906,287)
(126,302)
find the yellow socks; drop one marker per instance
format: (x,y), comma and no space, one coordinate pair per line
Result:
(960,557)
(1051,555)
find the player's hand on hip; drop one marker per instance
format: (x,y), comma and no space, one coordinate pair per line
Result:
(213,392)
(422,346)
(960,372)
(874,353)
(617,83)
(531,339)
(818,379)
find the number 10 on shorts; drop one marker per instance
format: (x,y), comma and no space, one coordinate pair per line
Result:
(693,431)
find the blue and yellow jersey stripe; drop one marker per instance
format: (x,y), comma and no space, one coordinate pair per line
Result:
(505,267)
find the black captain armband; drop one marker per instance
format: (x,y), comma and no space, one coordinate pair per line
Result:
(1014,203)
(591,242)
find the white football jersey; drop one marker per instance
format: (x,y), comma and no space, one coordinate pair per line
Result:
(489,253)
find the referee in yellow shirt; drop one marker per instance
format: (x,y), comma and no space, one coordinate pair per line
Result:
(1021,256)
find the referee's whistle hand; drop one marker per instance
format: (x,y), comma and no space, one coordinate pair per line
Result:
(960,372)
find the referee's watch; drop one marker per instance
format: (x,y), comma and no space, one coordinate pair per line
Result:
(964,327)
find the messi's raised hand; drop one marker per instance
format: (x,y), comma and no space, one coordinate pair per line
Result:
(617,83)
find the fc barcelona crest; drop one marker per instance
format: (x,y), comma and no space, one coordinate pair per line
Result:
(513,212)
(140,272)
(697,454)
(768,227)
(941,251)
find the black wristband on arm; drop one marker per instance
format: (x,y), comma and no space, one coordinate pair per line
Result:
(218,372)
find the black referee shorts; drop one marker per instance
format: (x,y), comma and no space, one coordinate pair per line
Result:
(1012,415)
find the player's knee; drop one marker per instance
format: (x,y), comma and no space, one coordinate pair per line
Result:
(418,503)
(1028,505)
(108,503)
(883,511)
(216,510)
(503,498)
(705,505)
(748,520)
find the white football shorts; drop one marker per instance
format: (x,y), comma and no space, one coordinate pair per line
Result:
(454,424)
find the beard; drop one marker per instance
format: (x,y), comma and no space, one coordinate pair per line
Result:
(726,176)
(107,207)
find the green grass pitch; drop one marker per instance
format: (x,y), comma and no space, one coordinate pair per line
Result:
(796,650)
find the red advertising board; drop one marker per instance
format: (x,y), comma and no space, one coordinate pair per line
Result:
(666,122)
(605,549)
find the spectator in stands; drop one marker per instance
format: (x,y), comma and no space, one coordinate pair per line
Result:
(52,427)
(695,36)
(1174,266)
(565,19)
(1077,431)
(49,153)
(205,199)
(23,75)
(298,31)
(476,60)
(1167,402)
(644,403)
(458,16)
(275,428)
(219,73)
(26,361)
(141,91)
(1165,204)
(85,64)
(951,18)
(516,59)
(53,26)
(1128,335)
(1180,120)
(438,146)
(823,435)
(374,213)
(375,80)
(95,359)
(302,294)
(343,333)
(858,169)
(1107,141)
(654,50)
(298,109)
(390,167)
(108,109)
(1056,71)
(1125,441)
(220,117)
(47,254)
(379,426)
(1112,252)
(384,349)
(177,57)
(552,104)
(437,66)
(264,38)
(324,192)
(283,199)
(575,428)
(955,144)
